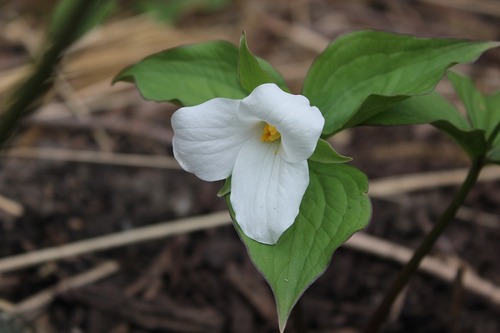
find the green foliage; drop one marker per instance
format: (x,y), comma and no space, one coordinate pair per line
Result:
(189,75)
(423,109)
(494,154)
(324,153)
(254,71)
(483,112)
(226,188)
(361,74)
(472,141)
(475,134)
(365,78)
(193,74)
(436,110)
(250,72)
(334,207)
(470,97)
(95,13)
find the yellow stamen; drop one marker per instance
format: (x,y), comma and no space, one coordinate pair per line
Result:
(270,134)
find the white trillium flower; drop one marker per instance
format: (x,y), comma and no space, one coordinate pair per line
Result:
(263,141)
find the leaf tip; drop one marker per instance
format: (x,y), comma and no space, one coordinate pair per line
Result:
(122,76)
(226,188)
(282,324)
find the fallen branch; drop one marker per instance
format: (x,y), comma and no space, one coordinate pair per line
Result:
(379,188)
(98,157)
(32,306)
(390,186)
(162,313)
(443,268)
(300,35)
(252,289)
(119,239)
(483,219)
(11,207)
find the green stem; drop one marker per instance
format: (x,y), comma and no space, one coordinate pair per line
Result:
(39,82)
(425,247)
(493,136)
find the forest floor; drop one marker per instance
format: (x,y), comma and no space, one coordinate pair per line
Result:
(96,160)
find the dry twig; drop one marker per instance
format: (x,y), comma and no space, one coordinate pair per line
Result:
(98,157)
(106,50)
(11,207)
(160,314)
(443,268)
(129,237)
(379,188)
(253,291)
(300,35)
(32,306)
(390,186)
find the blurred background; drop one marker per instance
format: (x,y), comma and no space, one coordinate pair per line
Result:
(96,159)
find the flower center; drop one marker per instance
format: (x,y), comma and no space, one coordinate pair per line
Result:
(270,134)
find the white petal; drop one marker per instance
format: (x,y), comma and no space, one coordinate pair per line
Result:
(208,137)
(266,190)
(299,123)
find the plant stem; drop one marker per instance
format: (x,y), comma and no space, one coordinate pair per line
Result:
(39,82)
(493,136)
(425,247)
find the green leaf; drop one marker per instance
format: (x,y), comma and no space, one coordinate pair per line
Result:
(189,75)
(225,189)
(94,15)
(420,110)
(436,110)
(364,73)
(471,98)
(273,73)
(334,207)
(494,155)
(324,153)
(254,71)
(493,107)
(472,141)
(483,111)
(251,74)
